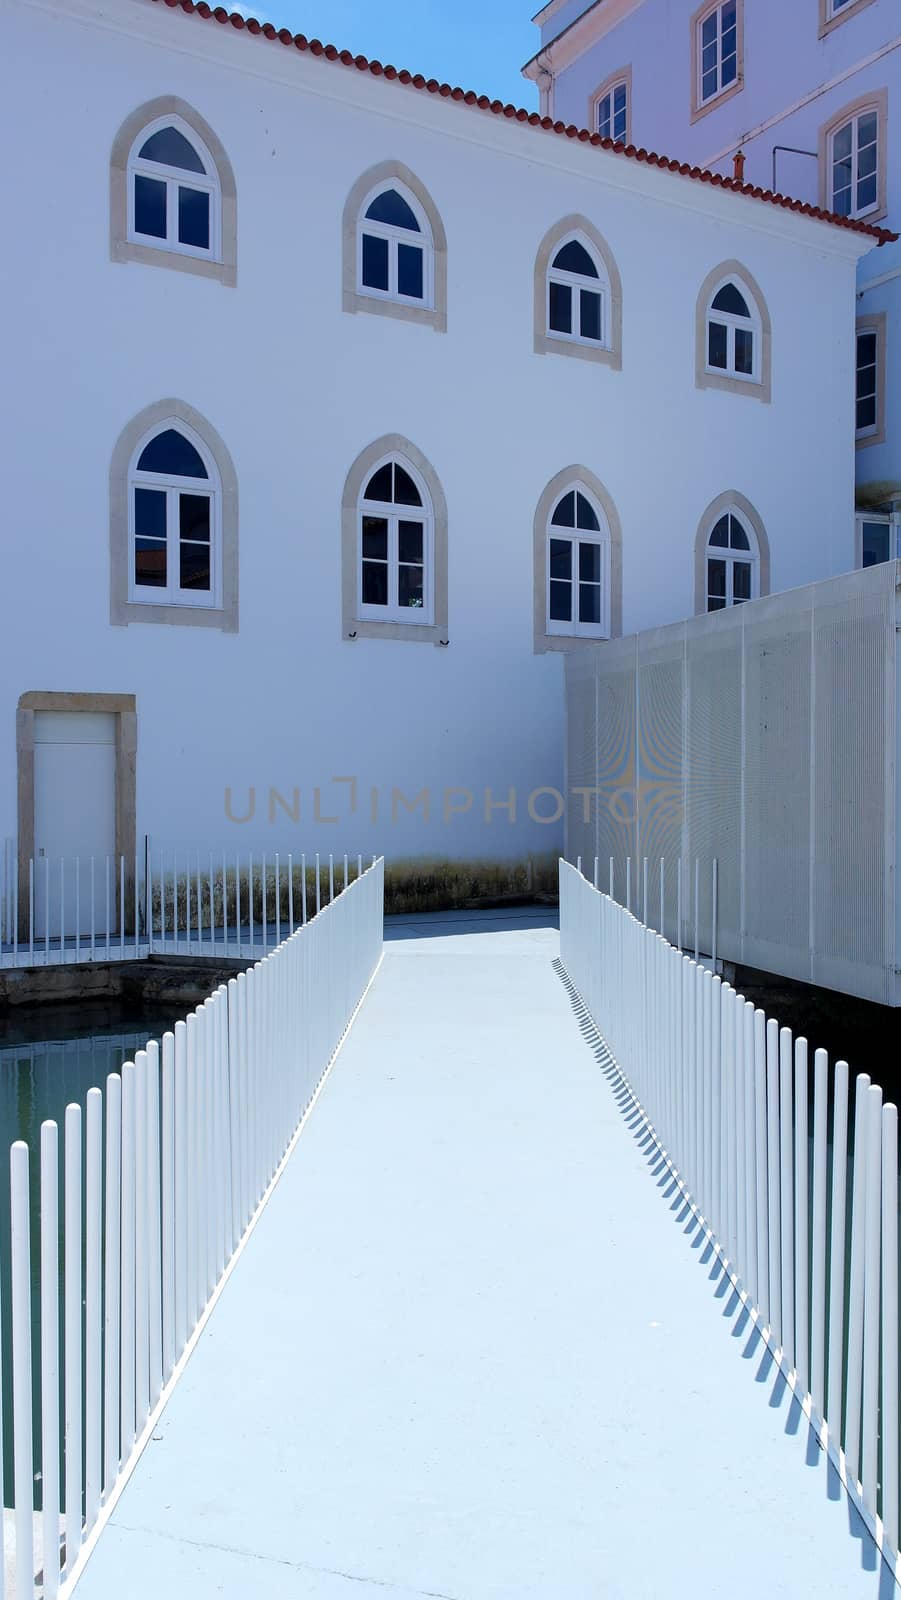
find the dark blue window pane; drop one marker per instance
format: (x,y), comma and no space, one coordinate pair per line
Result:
(589,602)
(720,535)
(575,258)
(741,581)
(565,513)
(590,314)
(150,207)
(730,299)
(876,543)
(375,538)
(405,490)
(561,558)
(744,351)
(194,218)
(409,586)
(194,567)
(560,312)
(194,517)
(738,539)
(410,271)
(171,454)
(585,516)
(866,412)
(392,209)
(716,582)
(381,484)
(590,564)
(150,563)
(409,542)
(717,345)
(375,262)
(150,513)
(561,604)
(171,149)
(375,583)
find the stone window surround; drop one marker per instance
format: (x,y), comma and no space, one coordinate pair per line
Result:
(761,389)
(732,500)
(828,22)
(352,627)
(875,322)
(876,100)
(696,110)
(352,300)
(613,79)
(545,344)
(124,611)
(124,708)
(122,248)
(570,478)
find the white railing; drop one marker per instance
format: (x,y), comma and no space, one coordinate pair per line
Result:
(166,901)
(800,1201)
(168,1167)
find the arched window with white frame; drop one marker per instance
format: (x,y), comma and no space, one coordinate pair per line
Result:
(733,333)
(173,200)
(853,156)
(174,520)
(578,295)
(578,566)
(395,552)
(394,247)
(733,566)
(173,191)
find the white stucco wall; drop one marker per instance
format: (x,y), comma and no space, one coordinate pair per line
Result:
(785,63)
(297,389)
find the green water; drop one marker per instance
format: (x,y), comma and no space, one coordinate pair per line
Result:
(46,1064)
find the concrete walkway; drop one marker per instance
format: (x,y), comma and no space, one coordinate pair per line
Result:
(471,1351)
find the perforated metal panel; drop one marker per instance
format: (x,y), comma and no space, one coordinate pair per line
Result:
(763,737)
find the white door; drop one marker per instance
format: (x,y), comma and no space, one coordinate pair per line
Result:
(74,822)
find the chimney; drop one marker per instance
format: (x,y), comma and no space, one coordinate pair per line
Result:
(738,161)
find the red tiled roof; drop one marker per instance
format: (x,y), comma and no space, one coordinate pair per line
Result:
(345,58)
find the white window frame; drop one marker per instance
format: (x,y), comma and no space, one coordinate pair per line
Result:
(868,332)
(176,178)
(731,322)
(888,519)
(749,557)
(702,100)
(575,282)
(396,237)
(853,121)
(173,594)
(574,629)
(394,514)
(608,94)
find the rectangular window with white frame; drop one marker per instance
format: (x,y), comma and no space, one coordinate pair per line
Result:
(853,159)
(870,380)
(834,12)
(717,50)
(878,538)
(611,107)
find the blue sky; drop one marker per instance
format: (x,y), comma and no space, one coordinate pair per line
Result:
(479,44)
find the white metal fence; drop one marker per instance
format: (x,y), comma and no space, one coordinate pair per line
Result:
(166,901)
(797,1188)
(160,1180)
(666,894)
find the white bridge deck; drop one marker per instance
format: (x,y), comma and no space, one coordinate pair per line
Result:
(473,1349)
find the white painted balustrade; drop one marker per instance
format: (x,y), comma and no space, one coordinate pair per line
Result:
(166,901)
(800,1200)
(161,1176)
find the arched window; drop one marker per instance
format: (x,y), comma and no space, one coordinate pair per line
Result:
(732,558)
(578,567)
(394,546)
(395,248)
(173,199)
(578,297)
(395,253)
(174,527)
(732,563)
(733,333)
(173,191)
(853,158)
(173,522)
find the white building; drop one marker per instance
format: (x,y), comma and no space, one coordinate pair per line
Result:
(337,404)
(807,92)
